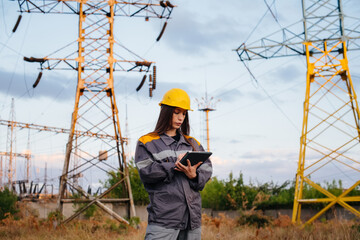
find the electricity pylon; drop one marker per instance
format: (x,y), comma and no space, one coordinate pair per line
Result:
(10,163)
(330,130)
(41,128)
(95,106)
(206,105)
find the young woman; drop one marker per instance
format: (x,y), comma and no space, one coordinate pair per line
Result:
(175,202)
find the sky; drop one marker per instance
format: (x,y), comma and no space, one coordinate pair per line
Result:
(255,128)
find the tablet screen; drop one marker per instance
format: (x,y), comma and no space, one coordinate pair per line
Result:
(195,157)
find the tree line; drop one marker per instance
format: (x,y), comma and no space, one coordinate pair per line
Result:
(229,194)
(233,194)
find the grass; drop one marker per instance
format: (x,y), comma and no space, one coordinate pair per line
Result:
(100,227)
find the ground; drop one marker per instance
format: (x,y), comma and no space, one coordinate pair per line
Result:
(98,227)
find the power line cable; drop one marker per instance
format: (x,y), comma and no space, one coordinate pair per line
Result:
(4,19)
(256,102)
(258,23)
(272,100)
(17,61)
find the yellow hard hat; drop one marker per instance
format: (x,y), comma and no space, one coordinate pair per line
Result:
(176,97)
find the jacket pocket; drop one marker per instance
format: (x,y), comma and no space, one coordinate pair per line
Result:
(168,206)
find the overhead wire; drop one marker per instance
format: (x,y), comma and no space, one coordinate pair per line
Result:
(272,13)
(258,23)
(4,19)
(248,82)
(17,61)
(253,76)
(132,92)
(257,102)
(5,45)
(278,107)
(259,65)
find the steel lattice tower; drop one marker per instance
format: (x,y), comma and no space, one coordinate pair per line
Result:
(330,131)
(95,108)
(10,161)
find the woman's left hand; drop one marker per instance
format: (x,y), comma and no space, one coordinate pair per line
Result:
(190,171)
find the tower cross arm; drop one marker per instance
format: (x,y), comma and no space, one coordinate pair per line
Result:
(24,155)
(56,129)
(286,42)
(70,63)
(143,8)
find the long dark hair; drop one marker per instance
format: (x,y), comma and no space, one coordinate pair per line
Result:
(164,122)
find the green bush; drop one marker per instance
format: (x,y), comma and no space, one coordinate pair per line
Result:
(233,194)
(214,195)
(7,203)
(253,218)
(140,195)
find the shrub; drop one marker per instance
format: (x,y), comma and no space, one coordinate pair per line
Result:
(253,218)
(7,203)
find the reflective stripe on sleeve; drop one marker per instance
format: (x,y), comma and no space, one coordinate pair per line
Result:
(144,163)
(164,154)
(167,154)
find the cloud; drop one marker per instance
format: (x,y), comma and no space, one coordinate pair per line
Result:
(62,87)
(248,137)
(229,95)
(235,141)
(188,35)
(161,89)
(262,165)
(289,73)
(269,155)
(55,159)
(50,86)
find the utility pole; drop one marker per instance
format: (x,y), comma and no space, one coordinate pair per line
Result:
(95,107)
(330,130)
(127,142)
(206,105)
(1,172)
(45,178)
(11,148)
(28,159)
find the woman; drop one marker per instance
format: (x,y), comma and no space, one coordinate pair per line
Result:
(175,202)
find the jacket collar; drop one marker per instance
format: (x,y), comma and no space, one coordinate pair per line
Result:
(169,140)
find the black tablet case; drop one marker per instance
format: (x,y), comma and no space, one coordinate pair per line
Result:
(195,157)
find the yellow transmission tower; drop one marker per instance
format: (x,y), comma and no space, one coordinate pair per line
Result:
(330,132)
(95,109)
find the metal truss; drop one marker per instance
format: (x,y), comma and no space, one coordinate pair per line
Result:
(330,133)
(137,8)
(323,20)
(12,155)
(55,129)
(95,108)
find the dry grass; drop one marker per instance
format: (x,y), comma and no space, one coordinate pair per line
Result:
(31,228)
(280,228)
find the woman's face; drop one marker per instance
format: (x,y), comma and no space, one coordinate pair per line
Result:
(178,118)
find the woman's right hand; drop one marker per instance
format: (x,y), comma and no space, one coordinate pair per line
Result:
(190,171)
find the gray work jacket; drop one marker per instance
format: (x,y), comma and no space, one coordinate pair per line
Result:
(175,201)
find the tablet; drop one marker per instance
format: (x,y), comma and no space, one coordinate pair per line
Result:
(195,157)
